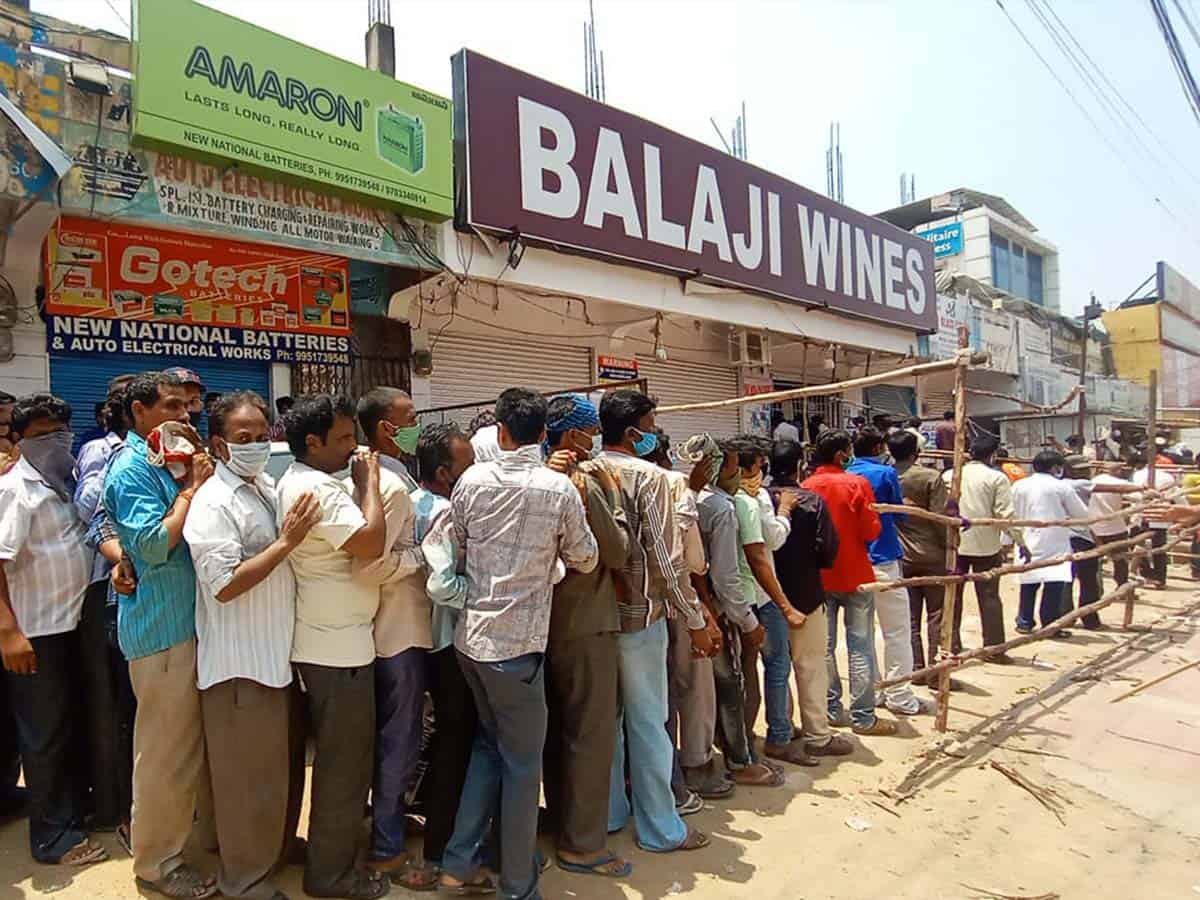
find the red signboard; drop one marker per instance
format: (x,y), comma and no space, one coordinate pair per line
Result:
(617,368)
(557,168)
(110,270)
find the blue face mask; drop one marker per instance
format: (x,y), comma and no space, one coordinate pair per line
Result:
(646,444)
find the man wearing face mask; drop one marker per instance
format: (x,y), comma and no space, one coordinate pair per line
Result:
(194,389)
(333,646)
(8,455)
(581,659)
(44,569)
(389,420)
(649,594)
(443,454)
(848,499)
(402,633)
(245,613)
(156,627)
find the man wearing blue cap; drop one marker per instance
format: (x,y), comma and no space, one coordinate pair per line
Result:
(581,658)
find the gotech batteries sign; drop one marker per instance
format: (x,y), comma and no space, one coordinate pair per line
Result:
(130,289)
(223,88)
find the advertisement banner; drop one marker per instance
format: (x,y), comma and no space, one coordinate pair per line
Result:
(616,368)
(995,332)
(952,312)
(106,270)
(947,240)
(224,88)
(113,178)
(756,417)
(566,171)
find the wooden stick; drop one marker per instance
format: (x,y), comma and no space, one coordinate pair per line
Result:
(1000,895)
(982,654)
(1151,482)
(1074,392)
(952,533)
(960,522)
(1036,792)
(973,359)
(1153,681)
(1009,569)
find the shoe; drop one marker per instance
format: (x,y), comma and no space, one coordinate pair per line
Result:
(1024,629)
(924,707)
(709,783)
(841,720)
(837,745)
(692,805)
(1061,635)
(878,728)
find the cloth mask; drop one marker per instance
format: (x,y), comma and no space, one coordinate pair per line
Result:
(732,484)
(168,445)
(646,444)
(196,419)
(700,447)
(848,461)
(752,485)
(597,443)
(249,460)
(406,438)
(50,455)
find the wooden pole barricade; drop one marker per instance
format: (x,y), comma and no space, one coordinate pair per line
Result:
(944,365)
(952,532)
(1151,453)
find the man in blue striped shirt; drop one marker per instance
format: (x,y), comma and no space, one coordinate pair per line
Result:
(157,631)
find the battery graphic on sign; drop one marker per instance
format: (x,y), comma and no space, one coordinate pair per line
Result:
(401,139)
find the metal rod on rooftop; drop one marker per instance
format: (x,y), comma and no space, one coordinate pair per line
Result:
(603,88)
(587,69)
(745,149)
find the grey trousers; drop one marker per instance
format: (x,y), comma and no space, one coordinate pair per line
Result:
(581,698)
(341,713)
(692,696)
(246,730)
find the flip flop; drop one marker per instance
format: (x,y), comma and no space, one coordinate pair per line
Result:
(477,888)
(183,883)
(793,753)
(597,866)
(695,840)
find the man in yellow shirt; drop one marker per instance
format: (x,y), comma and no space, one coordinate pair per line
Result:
(1191,481)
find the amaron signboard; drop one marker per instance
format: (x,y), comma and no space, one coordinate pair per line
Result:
(115,288)
(538,160)
(223,88)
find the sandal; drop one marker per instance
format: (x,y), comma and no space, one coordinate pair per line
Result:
(765,776)
(607,864)
(484,884)
(361,884)
(85,853)
(793,753)
(694,840)
(125,837)
(184,883)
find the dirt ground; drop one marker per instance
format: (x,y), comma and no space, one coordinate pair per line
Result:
(1123,820)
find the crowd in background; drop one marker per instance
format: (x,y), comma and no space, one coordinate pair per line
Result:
(561,597)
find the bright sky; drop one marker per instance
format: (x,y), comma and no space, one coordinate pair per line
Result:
(947,90)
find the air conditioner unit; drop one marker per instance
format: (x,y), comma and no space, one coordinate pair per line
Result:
(749,348)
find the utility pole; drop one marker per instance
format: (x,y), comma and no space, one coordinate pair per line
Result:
(1092,311)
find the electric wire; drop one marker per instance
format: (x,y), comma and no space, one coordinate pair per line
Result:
(1178,59)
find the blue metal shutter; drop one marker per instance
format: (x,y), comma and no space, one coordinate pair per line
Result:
(83,380)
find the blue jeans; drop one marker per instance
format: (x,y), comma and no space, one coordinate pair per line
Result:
(505,775)
(859,608)
(641,723)
(777,672)
(1052,592)
(399,699)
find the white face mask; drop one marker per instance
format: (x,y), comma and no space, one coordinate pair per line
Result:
(248,460)
(597,443)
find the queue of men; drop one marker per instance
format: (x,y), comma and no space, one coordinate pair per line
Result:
(562,605)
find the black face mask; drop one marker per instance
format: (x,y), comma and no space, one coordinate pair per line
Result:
(196,418)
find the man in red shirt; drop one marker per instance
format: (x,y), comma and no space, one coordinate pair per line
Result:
(848,499)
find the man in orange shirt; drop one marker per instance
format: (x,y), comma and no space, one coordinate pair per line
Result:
(848,499)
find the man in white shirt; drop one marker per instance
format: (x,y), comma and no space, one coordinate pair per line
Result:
(514,518)
(44,571)
(1110,530)
(402,634)
(245,615)
(333,647)
(1044,495)
(1154,568)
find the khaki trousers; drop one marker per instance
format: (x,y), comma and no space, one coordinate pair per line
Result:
(812,676)
(168,757)
(246,729)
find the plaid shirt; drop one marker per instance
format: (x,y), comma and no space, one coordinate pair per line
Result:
(651,576)
(515,518)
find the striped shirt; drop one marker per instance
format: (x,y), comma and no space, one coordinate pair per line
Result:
(250,636)
(446,588)
(651,576)
(515,517)
(161,612)
(46,561)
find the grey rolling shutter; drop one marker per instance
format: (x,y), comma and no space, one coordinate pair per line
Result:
(675,382)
